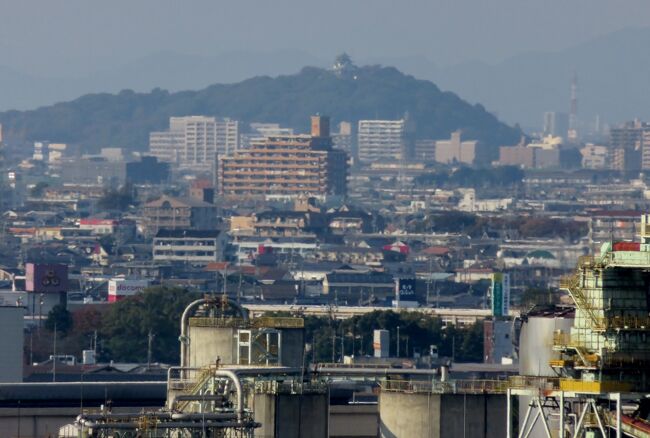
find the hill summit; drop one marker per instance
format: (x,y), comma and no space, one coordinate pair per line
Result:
(345,92)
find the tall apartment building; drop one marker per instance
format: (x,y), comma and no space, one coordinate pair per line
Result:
(193,142)
(425,150)
(286,165)
(381,140)
(259,132)
(630,146)
(343,139)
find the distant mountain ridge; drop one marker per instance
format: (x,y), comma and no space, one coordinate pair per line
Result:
(613,80)
(613,77)
(372,92)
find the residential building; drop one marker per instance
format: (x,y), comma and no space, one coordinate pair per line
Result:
(381,140)
(541,154)
(455,150)
(197,247)
(546,152)
(286,166)
(343,139)
(594,156)
(518,155)
(147,171)
(193,142)
(357,286)
(628,147)
(260,131)
(608,226)
(174,213)
(425,150)
(94,170)
(277,223)
(202,190)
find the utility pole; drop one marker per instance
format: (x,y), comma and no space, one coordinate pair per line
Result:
(149,348)
(54,355)
(397,341)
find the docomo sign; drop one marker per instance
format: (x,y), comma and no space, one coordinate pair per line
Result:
(119,288)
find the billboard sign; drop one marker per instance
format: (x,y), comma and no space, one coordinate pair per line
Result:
(406,289)
(46,278)
(500,294)
(119,288)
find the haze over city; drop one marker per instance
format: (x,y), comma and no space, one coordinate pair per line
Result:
(77,47)
(343,219)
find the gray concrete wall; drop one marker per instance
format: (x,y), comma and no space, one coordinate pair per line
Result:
(293,347)
(11,344)
(208,343)
(468,415)
(264,413)
(291,415)
(354,421)
(405,415)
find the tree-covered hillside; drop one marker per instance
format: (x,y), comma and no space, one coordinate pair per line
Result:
(372,92)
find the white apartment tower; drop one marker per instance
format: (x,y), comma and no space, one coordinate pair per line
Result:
(193,142)
(381,140)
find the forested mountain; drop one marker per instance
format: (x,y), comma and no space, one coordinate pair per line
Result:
(372,92)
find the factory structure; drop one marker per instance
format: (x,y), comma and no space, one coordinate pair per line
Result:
(584,371)
(581,371)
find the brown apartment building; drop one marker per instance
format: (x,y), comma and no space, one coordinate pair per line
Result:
(286,165)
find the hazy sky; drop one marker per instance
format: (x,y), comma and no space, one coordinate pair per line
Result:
(86,35)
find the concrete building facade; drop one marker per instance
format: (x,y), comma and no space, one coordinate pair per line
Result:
(455,150)
(381,140)
(286,166)
(197,247)
(193,142)
(175,213)
(11,360)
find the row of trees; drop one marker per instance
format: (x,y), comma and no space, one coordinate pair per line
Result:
(331,338)
(516,226)
(123,328)
(498,177)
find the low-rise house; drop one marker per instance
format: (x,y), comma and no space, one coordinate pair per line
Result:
(180,214)
(197,247)
(356,285)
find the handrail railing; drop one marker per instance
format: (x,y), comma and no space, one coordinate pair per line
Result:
(261,322)
(447,387)
(572,285)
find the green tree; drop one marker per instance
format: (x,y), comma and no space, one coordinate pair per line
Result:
(60,318)
(417,333)
(38,190)
(120,199)
(127,324)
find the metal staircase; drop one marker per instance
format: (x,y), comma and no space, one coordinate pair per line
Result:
(572,285)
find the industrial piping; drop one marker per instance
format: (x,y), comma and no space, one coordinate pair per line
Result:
(184,339)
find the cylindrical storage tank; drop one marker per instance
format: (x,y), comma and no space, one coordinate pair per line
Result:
(536,341)
(429,415)
(291,415)
(536,350)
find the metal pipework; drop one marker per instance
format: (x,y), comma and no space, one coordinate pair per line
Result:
(184,339)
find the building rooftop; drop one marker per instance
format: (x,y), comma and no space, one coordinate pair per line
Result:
(167,233)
